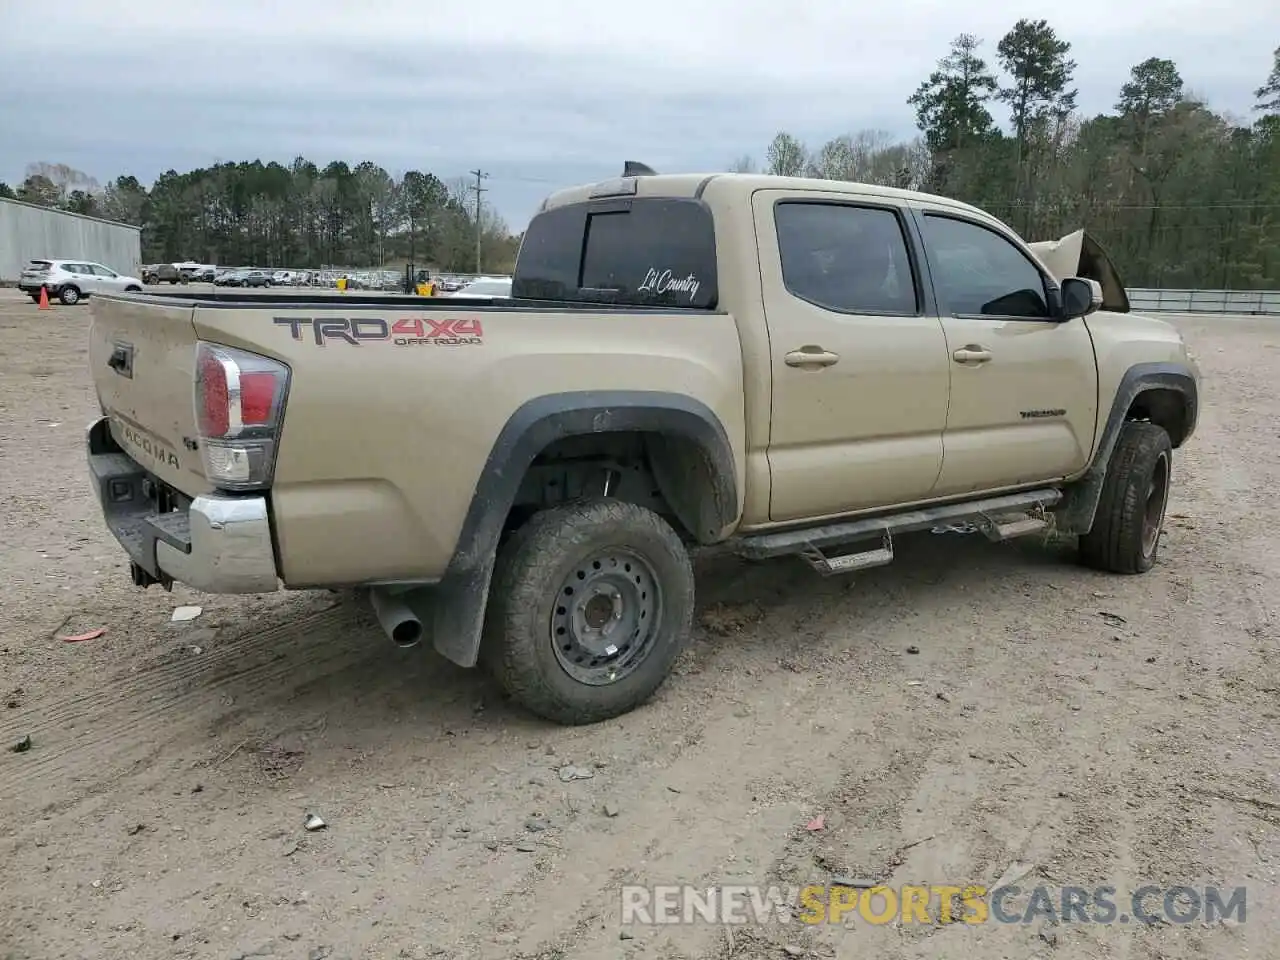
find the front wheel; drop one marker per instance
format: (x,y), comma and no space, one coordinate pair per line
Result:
(592,603)
(70,296)
(1125,536)
(133,288)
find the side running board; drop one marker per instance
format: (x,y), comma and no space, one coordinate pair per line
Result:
(998,518)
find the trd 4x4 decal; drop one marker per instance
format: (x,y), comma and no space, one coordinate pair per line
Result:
(407,332)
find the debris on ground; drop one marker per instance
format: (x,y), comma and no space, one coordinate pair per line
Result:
(535,825)
(611,809)
(183,614)
(855,883)
(22,746)
(314,823)
(570,772)
(1112,618)
(913,649)
(725,619)
(817,823)
(82,637)
(525,847)
(136,829)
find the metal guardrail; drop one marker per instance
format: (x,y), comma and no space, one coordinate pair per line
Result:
(1265,302)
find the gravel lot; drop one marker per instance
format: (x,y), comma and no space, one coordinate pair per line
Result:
(972,707)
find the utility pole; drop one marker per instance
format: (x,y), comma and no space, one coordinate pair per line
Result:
(480,175)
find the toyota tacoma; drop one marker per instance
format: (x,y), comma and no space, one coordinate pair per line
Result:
(785,366)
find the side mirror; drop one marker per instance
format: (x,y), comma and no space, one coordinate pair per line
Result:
(1080,297)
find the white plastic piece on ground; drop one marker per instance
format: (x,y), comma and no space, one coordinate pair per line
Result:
(183,614)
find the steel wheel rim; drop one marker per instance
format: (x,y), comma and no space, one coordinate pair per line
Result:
(606,617)
(1153,509)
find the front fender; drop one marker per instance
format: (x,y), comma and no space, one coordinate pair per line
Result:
(1075,515)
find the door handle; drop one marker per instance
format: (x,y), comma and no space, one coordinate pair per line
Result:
(810,356)
(971,354)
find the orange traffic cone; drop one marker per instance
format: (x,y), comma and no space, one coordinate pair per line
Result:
(44,299)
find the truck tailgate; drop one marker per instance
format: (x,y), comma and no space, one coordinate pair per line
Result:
(142,360)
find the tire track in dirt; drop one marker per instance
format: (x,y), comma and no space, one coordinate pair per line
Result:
(136,714)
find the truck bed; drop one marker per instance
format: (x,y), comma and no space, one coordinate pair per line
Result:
(394,404)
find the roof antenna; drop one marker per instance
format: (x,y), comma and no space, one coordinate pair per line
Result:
(634,168)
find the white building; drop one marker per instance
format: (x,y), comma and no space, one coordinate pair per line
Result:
(28,232)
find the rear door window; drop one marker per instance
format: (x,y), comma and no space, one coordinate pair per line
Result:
(648,251)
(846,258)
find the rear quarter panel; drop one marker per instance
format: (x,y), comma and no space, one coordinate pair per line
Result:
(383,442)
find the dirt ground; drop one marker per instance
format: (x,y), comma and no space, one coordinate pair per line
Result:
(971,710)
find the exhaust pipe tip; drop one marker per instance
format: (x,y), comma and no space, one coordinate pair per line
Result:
(396,619)
(407,633)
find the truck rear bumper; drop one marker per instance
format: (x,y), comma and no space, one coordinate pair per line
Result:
(215,543)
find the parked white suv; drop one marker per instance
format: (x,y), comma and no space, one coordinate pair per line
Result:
(73,280)
(485,288)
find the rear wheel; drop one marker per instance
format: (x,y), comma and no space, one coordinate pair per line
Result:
(69,296)
(1125,537)
(592,603)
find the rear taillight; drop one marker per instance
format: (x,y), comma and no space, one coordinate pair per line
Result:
(239,404)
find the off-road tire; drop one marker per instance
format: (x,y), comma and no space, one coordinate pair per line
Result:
(519,649)
(69,296)
(1120,541)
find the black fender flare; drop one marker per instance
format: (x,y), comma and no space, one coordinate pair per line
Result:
(1075,515)
(457,603)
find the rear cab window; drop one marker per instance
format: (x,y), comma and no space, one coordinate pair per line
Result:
(635,252)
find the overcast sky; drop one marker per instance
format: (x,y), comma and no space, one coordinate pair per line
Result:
(540,94)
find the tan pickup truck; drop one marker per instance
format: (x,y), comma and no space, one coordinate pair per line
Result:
(794,366)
